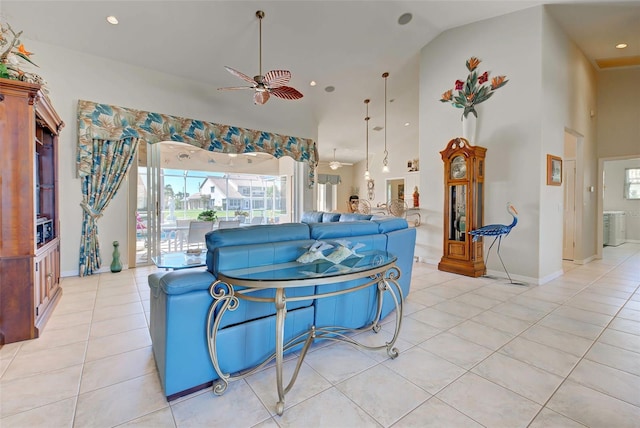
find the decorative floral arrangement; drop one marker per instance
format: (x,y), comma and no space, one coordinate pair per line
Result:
(13,54)
(474,90)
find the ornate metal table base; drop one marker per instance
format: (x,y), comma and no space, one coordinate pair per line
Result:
(227,298)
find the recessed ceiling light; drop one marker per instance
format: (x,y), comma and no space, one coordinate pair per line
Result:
(405,18)
(330,89)
(112,20)
(312,83)
(407,124)
(621,45)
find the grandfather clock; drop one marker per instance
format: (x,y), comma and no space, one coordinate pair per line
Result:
(463,207)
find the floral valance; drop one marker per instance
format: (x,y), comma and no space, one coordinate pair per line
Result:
(107,122)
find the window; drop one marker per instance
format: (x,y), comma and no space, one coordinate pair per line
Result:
(632,183)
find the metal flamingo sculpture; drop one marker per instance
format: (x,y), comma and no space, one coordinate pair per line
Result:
(497,230)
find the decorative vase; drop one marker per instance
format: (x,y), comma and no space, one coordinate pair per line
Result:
(116,266)
(469,128)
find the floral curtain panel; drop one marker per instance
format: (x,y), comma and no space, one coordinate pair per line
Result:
(110,163)
(108,137)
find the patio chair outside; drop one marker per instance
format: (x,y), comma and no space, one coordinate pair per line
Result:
(197,230)
(257,220)
(228,224)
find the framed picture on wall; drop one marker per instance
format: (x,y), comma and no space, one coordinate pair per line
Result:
(554,170)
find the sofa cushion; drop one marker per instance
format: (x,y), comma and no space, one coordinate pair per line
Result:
(260,234)
(342,229)
(389,224)
(354,217)
(311,217)
(330,217)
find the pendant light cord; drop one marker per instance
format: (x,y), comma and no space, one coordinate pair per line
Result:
(366,119)
(385,161)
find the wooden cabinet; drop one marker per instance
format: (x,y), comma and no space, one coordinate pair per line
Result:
(29,219)
(463,207)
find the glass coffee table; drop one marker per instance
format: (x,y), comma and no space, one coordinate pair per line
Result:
(234,286)
(180,260)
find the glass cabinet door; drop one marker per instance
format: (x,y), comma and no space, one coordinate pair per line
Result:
(457,212)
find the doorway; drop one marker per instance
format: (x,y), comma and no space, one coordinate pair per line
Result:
(572,200)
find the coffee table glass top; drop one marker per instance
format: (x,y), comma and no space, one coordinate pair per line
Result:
(180,260)
(321,268)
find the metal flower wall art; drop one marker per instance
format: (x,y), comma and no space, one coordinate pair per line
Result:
(474,90)
(13,55)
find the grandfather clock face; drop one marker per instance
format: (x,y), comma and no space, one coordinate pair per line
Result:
(458,168)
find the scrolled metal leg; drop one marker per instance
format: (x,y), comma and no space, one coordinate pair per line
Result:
(225,299)
(281,313)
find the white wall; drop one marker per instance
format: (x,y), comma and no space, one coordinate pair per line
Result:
(525,120)
(72,76)
(613,195)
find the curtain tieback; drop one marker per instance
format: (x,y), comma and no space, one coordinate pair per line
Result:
(95,215)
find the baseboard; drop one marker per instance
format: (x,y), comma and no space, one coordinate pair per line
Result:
(106,269)
(585,261)
(632,241)
(550,277)
(527,280)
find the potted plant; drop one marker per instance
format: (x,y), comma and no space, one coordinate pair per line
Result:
(208,215)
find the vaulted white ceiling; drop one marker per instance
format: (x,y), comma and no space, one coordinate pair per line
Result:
(344,44)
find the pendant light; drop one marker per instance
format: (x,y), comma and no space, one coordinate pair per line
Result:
(367,176)
(385,161)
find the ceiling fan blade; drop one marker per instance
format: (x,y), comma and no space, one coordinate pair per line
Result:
(260,97)
(240,75)
(233,88)
(277,78)
(286,92)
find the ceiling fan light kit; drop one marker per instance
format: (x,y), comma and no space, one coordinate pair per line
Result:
(272,83)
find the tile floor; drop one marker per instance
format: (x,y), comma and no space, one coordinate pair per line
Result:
(474,352)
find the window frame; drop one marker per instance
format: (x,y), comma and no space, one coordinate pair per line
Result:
(631,183)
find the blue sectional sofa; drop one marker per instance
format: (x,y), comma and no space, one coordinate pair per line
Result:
(180,299)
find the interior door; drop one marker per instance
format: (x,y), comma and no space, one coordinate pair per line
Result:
(569,234)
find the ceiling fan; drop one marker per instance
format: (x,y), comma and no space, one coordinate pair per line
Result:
(334,164)
(274,82)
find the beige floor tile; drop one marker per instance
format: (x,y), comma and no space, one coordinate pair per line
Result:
(53,338)
(590,305)
(447,290)
(339,361)
(60,321)
(478,300)
(456,350)
(533,303)
(117,368)
(369,338)
(593,408)
(481,334)
(47,360)
(10,350)
(590,317)
(378,385)
(119,403)
(566,342)
(549,419)
(488,403)
(55,415)
(588,294)
(330,408)
(28,393)
(542,356)
(117,325)
(413,331)
(308,383)
(116,289)
(425,298)
(625,325)
(238,406)
(623,340)
(111,312)
(616,383)
(428,371)
(458,308)
(502,322)
(119,299)
(568,325)
(162,418)
(436,414)
(615,357)
(437,318)
(633,304)
(629,314)
(530,382)
(520,312)
(102,347)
